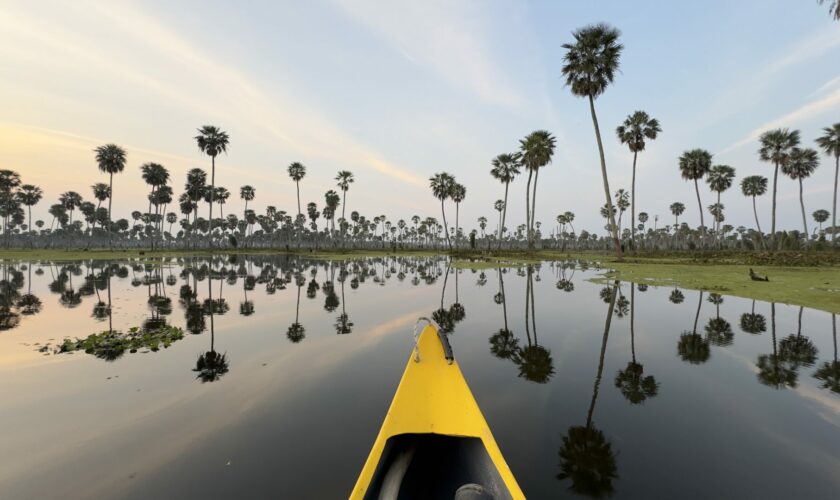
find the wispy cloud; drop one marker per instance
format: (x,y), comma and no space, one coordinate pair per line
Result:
(805,50)
(176,64)
(807,111)
(447,37)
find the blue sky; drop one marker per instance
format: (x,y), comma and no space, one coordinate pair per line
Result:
(395,91)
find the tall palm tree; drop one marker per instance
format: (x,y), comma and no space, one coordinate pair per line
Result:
(111,159)
(441,184)
(677,209)
(800,165)
(212,141)
(29,196)
(633,132)
(775,147)
(505,169)
(589,66)
(720,179)
(752,186)
(297,171)
(459,192)
(694,165)
(344,178)
(536,148)
(829,142)
(71,201)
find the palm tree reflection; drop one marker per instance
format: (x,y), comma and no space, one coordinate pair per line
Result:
(296,332)
(798,349)
(534,360)
(586,456)
(753,323)
(718,330)
(634,385)
(774,370)
(829,372)
(693,348)
(503,344)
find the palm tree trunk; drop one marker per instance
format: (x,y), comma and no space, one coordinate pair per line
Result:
(760,234)
(445,226)
(802,205)
(532,232)
(633,202)
(633,321)
(773,325)
(297,186)
(528,205)
(212,195)
(697,315)
(834,210)
(457,233)
(110,199)
(503,214)
(699,205)
(601,357)
(613,226)
(343,203)
(773,222)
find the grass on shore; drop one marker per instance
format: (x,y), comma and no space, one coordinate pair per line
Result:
(810,279)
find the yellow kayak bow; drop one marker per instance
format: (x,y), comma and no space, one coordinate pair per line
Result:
(434,442)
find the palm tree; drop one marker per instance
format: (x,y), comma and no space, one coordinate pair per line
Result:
(589,66)
(155,175)
(677,209)
(505,169)
(720,179)
(297,171)
(755,185)
(221,196)
(775,147)
(536,148)
(111,159)
(633,132)
(694,165)
(101,192)
(459,192)
(800,165)
(344,178)
(212,141)
(820,216)
(829,142)
(29,195)
(247,193)
(196,188)
(441,184)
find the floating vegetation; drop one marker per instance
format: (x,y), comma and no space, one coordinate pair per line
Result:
(112,344)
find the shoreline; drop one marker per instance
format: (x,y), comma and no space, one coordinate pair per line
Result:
(796,278)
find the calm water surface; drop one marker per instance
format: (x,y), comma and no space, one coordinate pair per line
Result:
(286,369)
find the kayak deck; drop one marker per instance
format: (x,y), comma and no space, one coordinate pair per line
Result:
(434,439)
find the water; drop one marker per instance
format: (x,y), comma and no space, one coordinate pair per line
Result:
(731,411)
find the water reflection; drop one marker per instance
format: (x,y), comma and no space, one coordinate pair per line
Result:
(156,298)
(533,360)
(587,458)
(635,386)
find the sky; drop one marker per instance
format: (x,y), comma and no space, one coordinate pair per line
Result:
(396,91)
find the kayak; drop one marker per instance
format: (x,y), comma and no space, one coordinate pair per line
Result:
(434,442)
